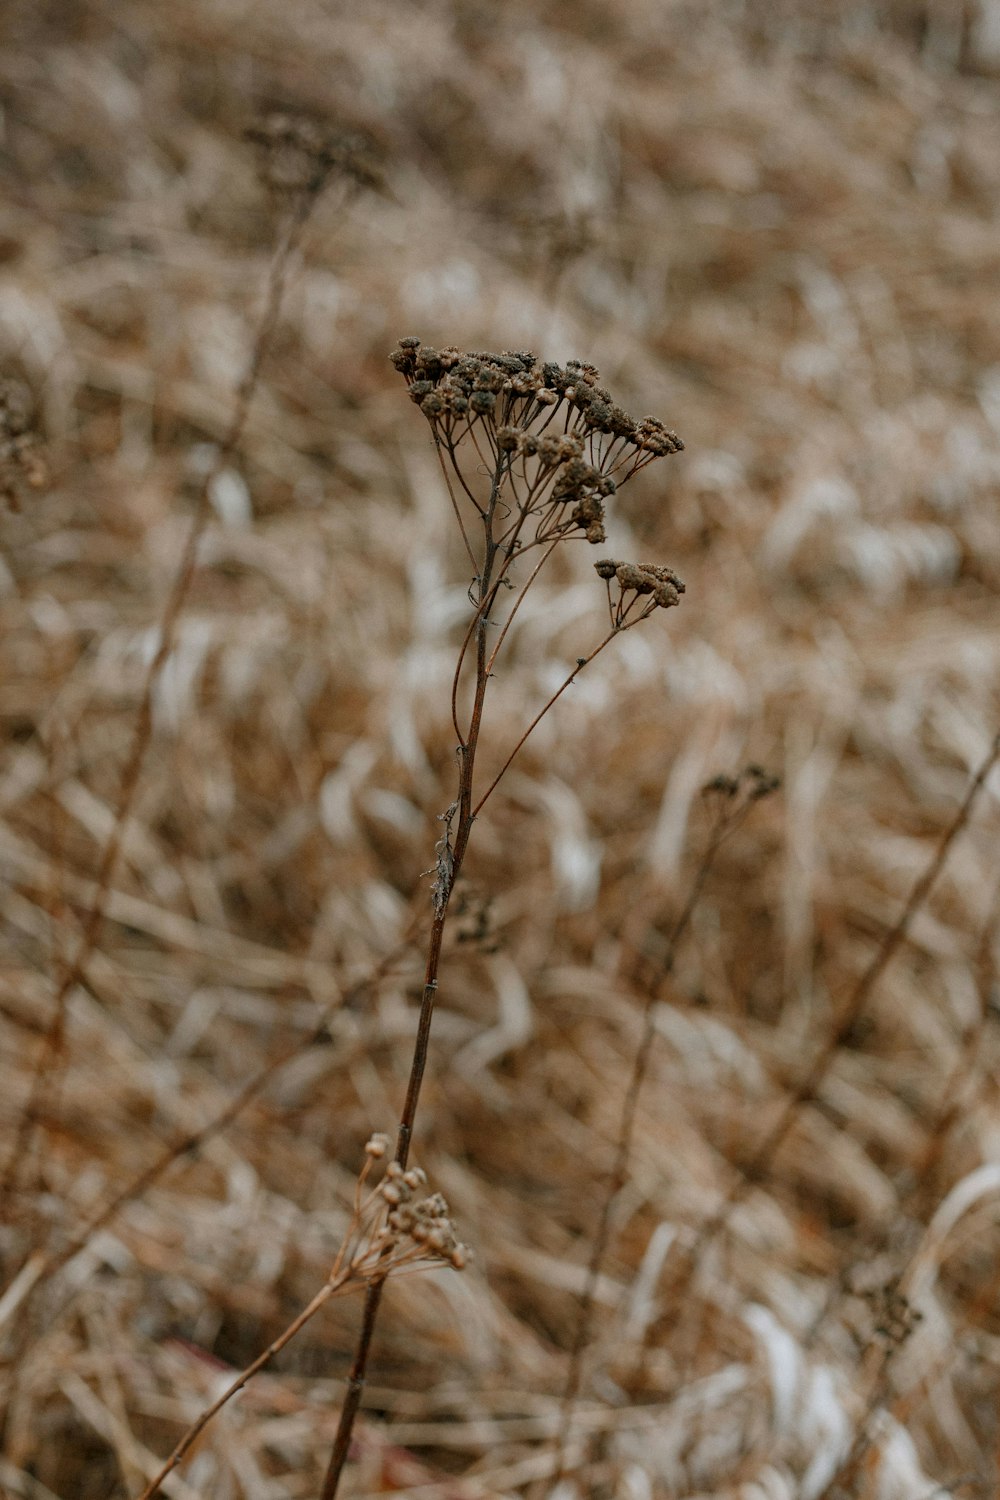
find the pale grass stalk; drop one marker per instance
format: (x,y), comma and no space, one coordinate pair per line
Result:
(849,1014)
(93,923)
(728,818)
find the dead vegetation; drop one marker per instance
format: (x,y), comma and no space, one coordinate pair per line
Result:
(779,233)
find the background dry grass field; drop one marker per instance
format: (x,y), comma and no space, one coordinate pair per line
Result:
(777,228)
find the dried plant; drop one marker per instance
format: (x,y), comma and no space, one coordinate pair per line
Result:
(21,463)
(21,460)
(299,156)
(93,922)
(393,1229)
(733,797)
(849,1012)
(530,452)
(765,238)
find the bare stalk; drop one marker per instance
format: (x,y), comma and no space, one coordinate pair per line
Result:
(847,1019)
(584,661)
(729,816)
(449,865)
(853,1009)
(93,923)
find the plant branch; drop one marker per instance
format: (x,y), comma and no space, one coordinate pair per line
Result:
(583,662)
(849,1015)
(328,1290)
(93,924)
(727,820)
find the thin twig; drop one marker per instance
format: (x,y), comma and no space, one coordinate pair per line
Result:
(380,1241)
(583,662)
(421,1045)
(52,1263)
(324,1294)
(849,1015)
(142,733)
(726,823)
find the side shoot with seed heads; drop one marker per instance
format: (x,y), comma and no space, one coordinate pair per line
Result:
(395,1227)
(531,453)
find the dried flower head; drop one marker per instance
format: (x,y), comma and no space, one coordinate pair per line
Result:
(656,586)
(299,153)
(550,436)
(751,785)
(21,461)
(409,1229)
(396,1225)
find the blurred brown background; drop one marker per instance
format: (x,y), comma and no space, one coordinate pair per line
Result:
(778,228)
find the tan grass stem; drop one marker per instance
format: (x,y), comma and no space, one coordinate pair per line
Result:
(93,923)
(847,1019)
(727,819)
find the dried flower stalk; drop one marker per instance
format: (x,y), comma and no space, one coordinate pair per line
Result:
(849,1013)
(392,1230)
(734,797)
(530,451)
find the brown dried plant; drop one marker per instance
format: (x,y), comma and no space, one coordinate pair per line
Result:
(317,155)
(392,1230)
(847,1016)
(732,799)
(530,452)
(93,921)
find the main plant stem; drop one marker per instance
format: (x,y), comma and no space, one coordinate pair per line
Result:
(447,875)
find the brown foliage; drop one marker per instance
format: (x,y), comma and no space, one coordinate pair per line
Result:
(775,225)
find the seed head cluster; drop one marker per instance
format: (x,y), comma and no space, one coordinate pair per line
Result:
(751,785)
(21,460)
(629,583)
(404,1228)
(554,439)
(299,153)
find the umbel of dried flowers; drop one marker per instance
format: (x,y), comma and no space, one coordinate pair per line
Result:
(550,434)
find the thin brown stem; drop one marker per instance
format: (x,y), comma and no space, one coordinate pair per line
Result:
(371,1250)
(328,1290)
(454,502)
(449,867)
(355,1390)
(93,924)
(724,826)
(448,873)
(852,1010)
(518,601)
(849,1015)
(583,662)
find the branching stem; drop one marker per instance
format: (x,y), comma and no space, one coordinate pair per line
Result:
(489,396)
